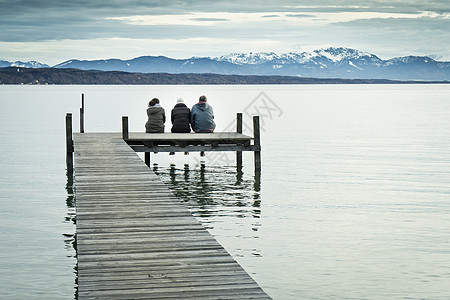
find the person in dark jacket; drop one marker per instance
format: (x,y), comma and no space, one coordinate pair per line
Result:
(181,117)
(202,116)
(156,117)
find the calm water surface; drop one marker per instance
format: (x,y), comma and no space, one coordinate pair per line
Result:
(353,201)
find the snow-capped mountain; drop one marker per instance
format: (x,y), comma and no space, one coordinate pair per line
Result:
(332,62)
(250,58)
(330,54)
(20,64)
(155,64)
(340,63)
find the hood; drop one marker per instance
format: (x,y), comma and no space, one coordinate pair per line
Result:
(180,105)
(202,105)
(154,110)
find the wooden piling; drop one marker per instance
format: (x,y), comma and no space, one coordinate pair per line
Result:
(147,158)
(82,114)
(69,143)
(257,143)
(239,130)
(125,127)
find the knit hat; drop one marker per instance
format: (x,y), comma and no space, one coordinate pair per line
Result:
(180,100)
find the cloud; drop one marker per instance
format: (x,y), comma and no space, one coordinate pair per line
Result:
(209,19)
(270,16)
(111,8)
(300,16)
(228,25)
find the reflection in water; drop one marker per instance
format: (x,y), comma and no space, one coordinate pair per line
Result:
(70,200)
(70,238)
(215,191)
(224,199)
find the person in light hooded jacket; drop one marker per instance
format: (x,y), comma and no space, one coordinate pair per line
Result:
(156,117)
(202,117)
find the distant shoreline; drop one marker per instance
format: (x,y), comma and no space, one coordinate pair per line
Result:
(50,76)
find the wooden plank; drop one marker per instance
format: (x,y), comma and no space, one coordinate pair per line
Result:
(215,291)
(220,148)
(136,240)
(168,270)
(141,136)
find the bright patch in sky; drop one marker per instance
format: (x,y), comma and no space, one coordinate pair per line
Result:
(221,18)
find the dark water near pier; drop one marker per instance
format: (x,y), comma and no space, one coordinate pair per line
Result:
(353,201)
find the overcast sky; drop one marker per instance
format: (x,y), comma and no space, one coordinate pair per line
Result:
(53,31)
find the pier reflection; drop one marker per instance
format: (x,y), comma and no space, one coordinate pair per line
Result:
(70,238)
(225,199)
(223,191)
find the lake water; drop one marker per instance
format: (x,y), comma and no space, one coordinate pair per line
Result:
(353,201)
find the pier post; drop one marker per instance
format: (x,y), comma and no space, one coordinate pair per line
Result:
(147,158)
(257,143)
(82,114)
(125,127)
(239,130)
(69,143)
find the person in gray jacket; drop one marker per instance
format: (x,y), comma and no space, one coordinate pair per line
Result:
(156,117)
(202,117)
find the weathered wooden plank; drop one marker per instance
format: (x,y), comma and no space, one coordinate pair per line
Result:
(174,137)
(168,270)
(223,148)
(142,273)
(136,240)
(114,278)
(154,241)
(215,292)
(139,229)
(162,261)
(199,233)
(132,200)
(146,254)
(166,282)
(135,249)
(151,243)
(139,222)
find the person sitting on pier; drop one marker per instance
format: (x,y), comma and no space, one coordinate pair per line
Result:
(156,117)
(181,117)
(202,117)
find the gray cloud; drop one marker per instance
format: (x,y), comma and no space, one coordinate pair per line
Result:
(209,19)
(167,6)
(300,16)
(271,16)
(40,21)
(408,26)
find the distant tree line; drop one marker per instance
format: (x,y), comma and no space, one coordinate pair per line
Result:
(44,76)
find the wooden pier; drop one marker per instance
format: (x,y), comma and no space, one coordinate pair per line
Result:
(197,142)
(135,239)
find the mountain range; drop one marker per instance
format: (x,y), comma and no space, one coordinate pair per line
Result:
(21,64)
(343,63)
